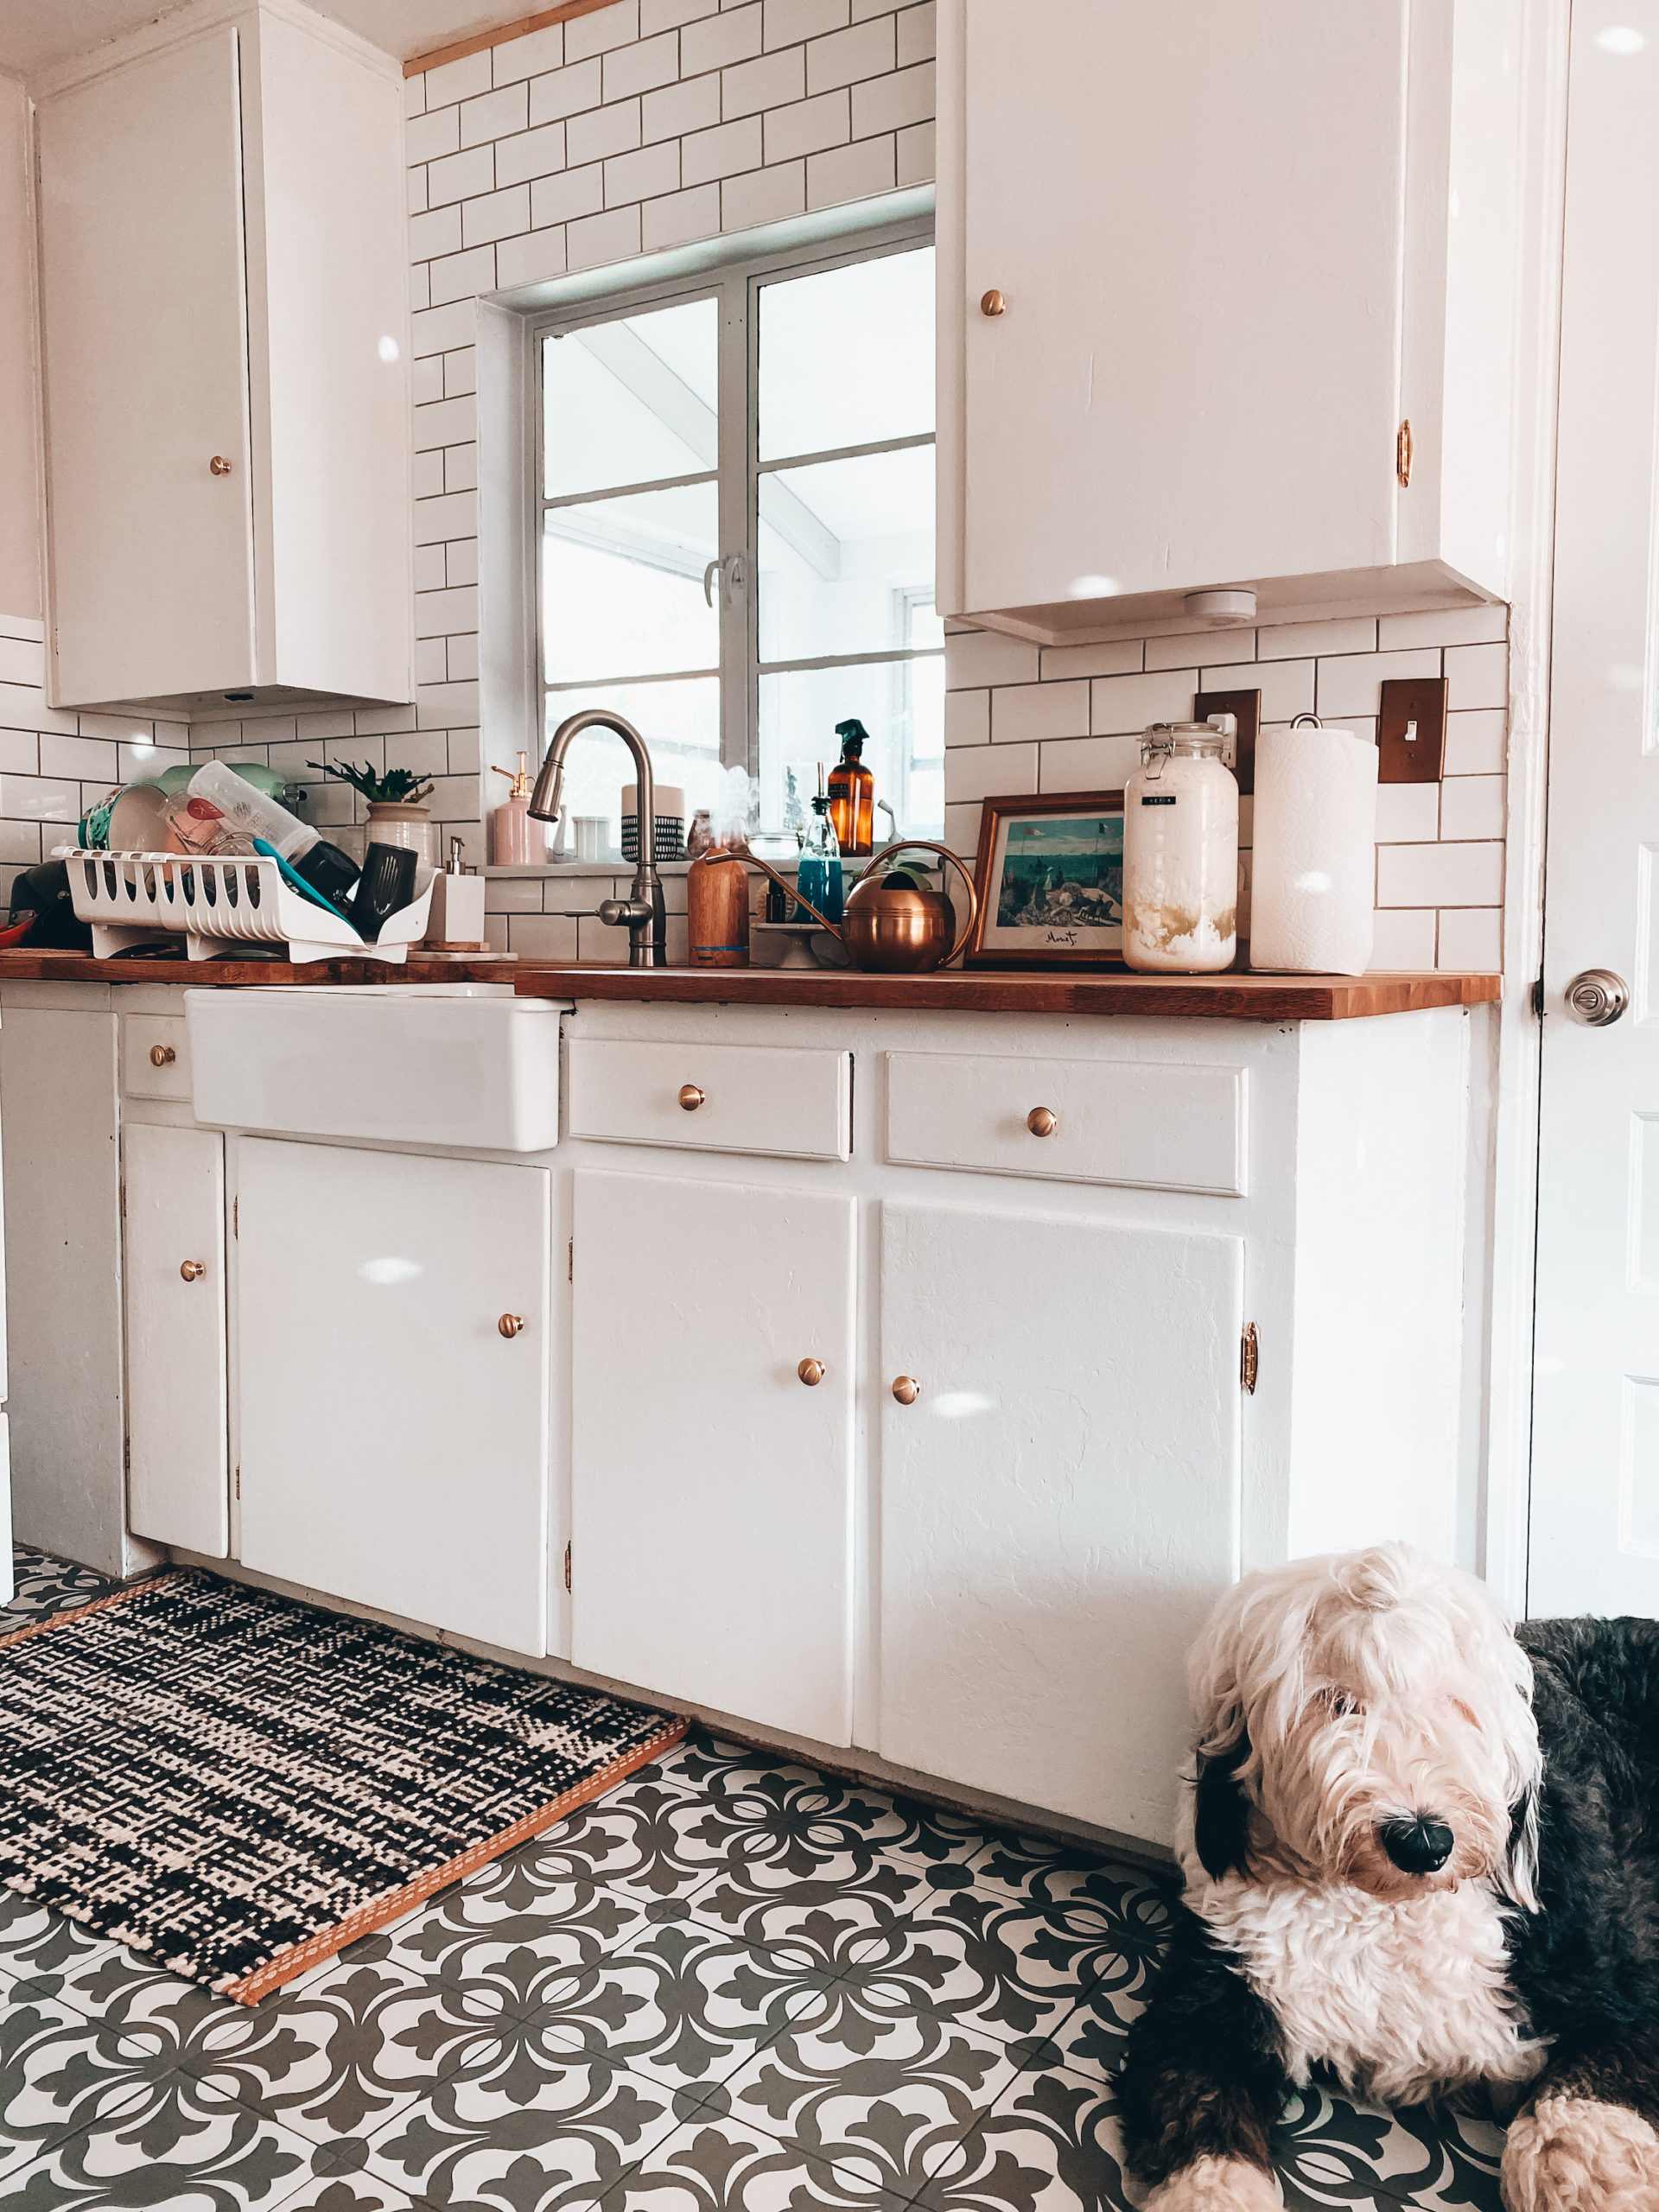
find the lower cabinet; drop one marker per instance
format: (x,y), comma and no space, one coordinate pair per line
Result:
(712,1485)
(177,1473)
(392,1329)
(1059,1499)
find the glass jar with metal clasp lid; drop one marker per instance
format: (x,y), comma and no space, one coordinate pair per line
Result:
(1180,851)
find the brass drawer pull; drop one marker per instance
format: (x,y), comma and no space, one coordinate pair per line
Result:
(690,1097)
(906,1389)
(161,1056)
(1041,1123)
(811,1372)
(192,1270)
(993,303)
(219,465)
(511,1325)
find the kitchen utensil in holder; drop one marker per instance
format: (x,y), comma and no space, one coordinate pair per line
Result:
(137,897)
(877,944)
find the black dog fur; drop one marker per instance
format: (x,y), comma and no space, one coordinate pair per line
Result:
(1204,2077)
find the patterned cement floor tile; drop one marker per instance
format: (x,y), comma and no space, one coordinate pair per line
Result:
(60,2072)
(1048,2144)
(34,1940)
(346,2192)
(1333,2151)
(45,1585)
(719,2163)
(193,2152)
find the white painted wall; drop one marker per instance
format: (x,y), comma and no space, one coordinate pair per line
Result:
(20,511)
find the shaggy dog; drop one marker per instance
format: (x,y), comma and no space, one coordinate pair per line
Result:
(1421,1849)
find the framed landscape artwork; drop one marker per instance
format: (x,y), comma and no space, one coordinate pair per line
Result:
(1050,880)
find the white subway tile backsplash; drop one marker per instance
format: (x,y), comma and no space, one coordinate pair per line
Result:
(20,753)
(1089,763)
(565,91)
(439,328)
(788,21)
(1478,675)
(603,131)
(631,70)
(808,126)
(1439,876)
(1471,807)
(599,239)
(975,772)
(1406,814)
(1287,686)
(918,157)
(439,232)
(39,798)
(1476,743)
(20,842)
(1309,640)
(669,15)
(1123,703)
(460,372)
(531,154)
(500,215)
(967,718)
(530,259)
(762,196)
(717,41)
(1403,939)
(617,25)
(495,115)
(459,81)
(573,193)
(528,56)
(974,658)
(463,275)
(446,422)
(1022,712)
(768,80)
(1124,658)
(426,378)
(918,40)
(540,937)
(1458,625)
(439,517)
(734,147)
(430,136)
(19,660)
(680,108)
(1350,684)
(679,218)
(860,171)
(1471,937)
(1191,649)
(87,758)
(891,103)
(867,50)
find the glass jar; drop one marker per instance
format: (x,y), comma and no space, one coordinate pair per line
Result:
(1180,853)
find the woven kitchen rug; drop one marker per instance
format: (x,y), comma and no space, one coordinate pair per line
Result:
(238,1785)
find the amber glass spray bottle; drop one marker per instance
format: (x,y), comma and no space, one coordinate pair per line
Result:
(852,792)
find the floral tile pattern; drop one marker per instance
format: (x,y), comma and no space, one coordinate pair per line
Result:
(45,1585)
(734,1985)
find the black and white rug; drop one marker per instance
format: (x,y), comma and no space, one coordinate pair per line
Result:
(236,1785)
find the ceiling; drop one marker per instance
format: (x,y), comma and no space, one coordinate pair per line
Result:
(34,34)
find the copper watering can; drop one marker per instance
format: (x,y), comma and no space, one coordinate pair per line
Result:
(887,929)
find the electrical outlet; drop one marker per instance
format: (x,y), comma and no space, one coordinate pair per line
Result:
(1245,708)
(1411,730)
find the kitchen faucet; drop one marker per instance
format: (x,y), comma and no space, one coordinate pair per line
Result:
(641,913)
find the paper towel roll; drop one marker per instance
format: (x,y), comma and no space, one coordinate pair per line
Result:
(1313,864)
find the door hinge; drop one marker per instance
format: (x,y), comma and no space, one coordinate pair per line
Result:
(126,1455)
(1402,454)
(1538,996)
(124,1200)
(567,1567)
(1248,1360)
(239,1479)
(236,1216)
(571,1261)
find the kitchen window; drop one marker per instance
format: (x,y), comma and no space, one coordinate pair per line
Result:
(735,479)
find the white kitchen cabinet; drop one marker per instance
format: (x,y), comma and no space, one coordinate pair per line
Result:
(178,1488)
(392,1436)
(712,1487)
(227,499)
(1060,1499)
(1234,254)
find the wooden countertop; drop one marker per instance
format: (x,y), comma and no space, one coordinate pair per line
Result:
(1232,998)
(21,965)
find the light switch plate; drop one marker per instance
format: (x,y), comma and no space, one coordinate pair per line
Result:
(1245,708)
(1411,730)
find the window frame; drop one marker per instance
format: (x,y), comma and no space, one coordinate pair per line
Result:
(735,284)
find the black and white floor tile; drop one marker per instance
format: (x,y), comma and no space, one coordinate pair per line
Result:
(732,1986)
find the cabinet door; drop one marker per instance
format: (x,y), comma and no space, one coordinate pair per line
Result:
(392,1441)
(712,1496)
(146,374)
(177,1491)
(1196,223)
(1059,1504)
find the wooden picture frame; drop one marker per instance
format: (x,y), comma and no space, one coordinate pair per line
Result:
(1065,931)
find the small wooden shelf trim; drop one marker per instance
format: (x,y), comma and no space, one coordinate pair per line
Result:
(22,966)
(519,28)
(1216,998)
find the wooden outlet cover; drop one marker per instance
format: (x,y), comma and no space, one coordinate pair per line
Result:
(1411,730)
(1246,706)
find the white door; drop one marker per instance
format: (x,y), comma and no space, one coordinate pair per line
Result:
(143,327)
(1207,329)
(1595,1497)
(712,1488)
(177,1470)
(1059,1501)
(393,1438)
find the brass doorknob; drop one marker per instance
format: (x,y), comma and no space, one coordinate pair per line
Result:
(161,1056)
(511,1325)
(219,465)
(690,1097)
(811,1372)
(906,1389)
(192,1270)
(993,303)
(1041,1123)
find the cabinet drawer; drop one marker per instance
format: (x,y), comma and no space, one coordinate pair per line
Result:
(155,1055)
(1162,1126)
(759,1098)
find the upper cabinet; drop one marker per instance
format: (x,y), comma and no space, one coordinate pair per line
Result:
(1198,266)
(224,342)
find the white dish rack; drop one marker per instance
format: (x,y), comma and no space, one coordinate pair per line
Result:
(135,897)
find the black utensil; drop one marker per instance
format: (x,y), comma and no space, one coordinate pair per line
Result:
(386,885)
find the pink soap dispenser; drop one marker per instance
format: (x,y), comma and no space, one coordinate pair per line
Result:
(515,840)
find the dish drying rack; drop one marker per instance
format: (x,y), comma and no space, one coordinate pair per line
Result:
(135,898)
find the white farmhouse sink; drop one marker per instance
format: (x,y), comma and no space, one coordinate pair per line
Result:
(443,1063)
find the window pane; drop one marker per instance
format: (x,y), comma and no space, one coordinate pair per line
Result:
(622,585)
(847,556)
(631,402)
(900,703)
(847,357)
(680,724)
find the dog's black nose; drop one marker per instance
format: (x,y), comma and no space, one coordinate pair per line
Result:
(1417,1846)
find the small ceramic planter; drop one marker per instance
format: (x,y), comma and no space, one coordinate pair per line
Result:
(391,823)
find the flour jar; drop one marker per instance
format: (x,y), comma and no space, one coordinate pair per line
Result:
(1180,852)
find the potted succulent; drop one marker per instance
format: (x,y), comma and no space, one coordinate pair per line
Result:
(395,814)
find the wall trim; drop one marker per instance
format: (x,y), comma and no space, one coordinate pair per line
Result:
(521,27)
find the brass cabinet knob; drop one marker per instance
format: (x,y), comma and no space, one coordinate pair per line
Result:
(219,465)
(811,1372)
(906,1389)
(690,1097)
(161,1056)
(1041,1123)
(993,303)
(192,1270)
(511,1325)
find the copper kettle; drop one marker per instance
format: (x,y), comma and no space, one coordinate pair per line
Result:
(888,929)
